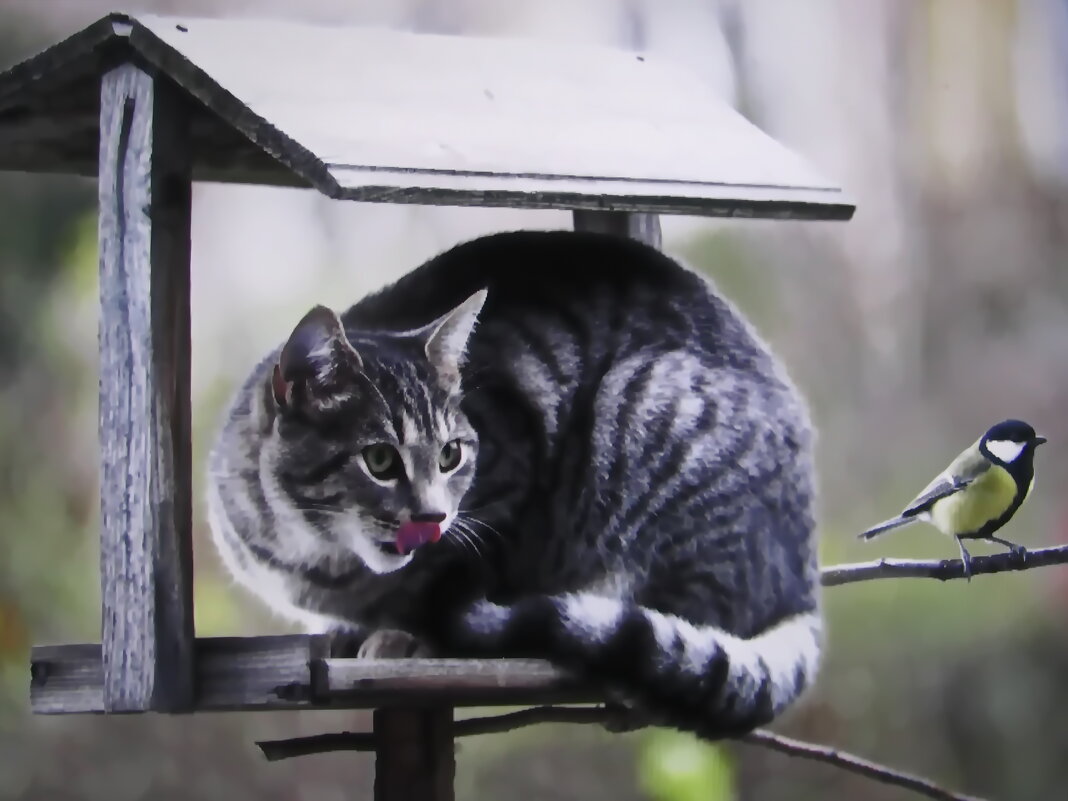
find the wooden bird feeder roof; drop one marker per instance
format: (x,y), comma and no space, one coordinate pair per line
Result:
(386,116)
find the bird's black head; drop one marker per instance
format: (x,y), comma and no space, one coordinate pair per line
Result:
(1009,440)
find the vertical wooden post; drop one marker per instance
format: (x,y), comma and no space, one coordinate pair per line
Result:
(145,488)
(415,754)
(634,225)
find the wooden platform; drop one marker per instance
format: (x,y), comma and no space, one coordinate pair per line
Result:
(294,672)
(150,105)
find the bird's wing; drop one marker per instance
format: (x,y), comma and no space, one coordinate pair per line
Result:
(963,471)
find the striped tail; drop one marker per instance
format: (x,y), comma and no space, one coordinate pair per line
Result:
(888,525)
(696,678)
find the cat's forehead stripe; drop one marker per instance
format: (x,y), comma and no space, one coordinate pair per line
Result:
(409,431)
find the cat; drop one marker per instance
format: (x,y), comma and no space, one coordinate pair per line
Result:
(562,445)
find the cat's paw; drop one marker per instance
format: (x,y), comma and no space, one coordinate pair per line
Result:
(345,643)
(392,644)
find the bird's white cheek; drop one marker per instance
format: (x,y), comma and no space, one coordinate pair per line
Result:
(1004,449)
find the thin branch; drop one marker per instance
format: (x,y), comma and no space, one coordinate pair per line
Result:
(942,569)
(366,741)
(495,724)
(853,764)
(275,750)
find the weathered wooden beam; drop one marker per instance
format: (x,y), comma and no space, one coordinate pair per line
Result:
(232,673)
(145,485)
(633,225)
(415,756)
(291,672)
(460,682)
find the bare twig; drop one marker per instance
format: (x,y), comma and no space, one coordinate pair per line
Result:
(275,750)
(853,764)
(365,741)
(941,569)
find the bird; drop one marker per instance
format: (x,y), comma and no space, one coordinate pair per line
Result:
(979,492)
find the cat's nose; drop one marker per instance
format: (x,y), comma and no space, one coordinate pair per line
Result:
(429,517)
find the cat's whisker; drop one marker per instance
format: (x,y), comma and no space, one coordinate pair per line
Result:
(464,535)
(484,524)
(460,540)
(476,535)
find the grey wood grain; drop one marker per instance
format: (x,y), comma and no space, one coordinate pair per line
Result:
(146,541)
(633,225)
(292,672)
(460,682)
(415,757)
(66,679)
(553,125)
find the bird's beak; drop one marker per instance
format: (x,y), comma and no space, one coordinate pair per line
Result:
(1040,441)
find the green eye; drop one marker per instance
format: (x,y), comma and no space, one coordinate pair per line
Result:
(449,458)
(382,461)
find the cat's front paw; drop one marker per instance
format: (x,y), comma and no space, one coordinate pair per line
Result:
(345,643)
(392,644)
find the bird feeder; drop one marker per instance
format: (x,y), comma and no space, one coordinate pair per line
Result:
(150,104)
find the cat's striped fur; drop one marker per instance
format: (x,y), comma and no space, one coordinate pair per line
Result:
(636,500)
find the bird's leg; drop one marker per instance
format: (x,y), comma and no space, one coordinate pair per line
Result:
(1018,551)
(966,558)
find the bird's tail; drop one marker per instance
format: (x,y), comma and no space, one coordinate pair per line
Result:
(886,525)
(698,678)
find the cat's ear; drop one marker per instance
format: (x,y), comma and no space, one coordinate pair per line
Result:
(447,337)
(317,364)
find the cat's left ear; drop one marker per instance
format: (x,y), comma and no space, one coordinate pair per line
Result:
(317,364)
(447,337)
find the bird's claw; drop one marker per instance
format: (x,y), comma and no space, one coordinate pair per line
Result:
(966,560)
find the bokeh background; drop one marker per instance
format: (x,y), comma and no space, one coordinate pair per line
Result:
(942,307)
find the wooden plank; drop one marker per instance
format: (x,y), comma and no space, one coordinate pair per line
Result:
(239,673)
(415,756)
(460,682)
(66,679)
(146,535)
(642,227)
(598,194)
(290,672)
(548,108)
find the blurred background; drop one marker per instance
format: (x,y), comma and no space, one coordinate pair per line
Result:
(941,308)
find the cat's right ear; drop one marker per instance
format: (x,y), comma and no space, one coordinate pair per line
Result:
(316,365)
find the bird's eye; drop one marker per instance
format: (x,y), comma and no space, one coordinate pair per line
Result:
(383,461)
(450,456)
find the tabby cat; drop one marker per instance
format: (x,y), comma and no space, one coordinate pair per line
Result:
(560,445)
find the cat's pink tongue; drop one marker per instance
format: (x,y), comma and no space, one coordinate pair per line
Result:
(411,535)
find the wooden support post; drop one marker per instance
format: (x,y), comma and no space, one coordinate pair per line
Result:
(145,487)
(634,225)
(415,756)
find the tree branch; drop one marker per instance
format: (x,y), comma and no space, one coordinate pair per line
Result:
(941,569)
(853,764)
(275,750)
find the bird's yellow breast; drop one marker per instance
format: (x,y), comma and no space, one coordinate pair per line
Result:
(984,500)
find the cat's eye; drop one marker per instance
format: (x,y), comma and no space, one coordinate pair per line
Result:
(449,458)
(383,462)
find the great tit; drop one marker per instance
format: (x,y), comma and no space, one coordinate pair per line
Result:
(979,492)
